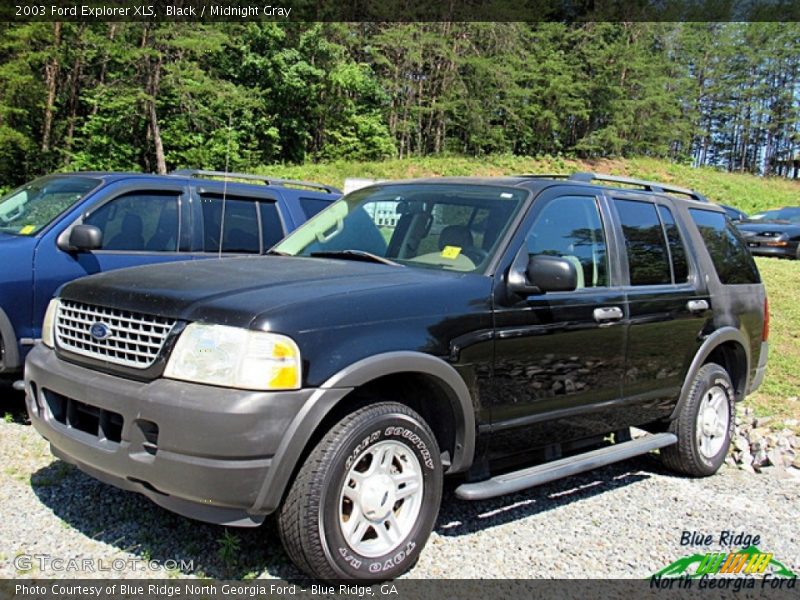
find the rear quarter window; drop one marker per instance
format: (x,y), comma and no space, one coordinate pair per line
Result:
(729,253)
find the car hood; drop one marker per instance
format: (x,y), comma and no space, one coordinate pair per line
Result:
(757,227)
(7,237)
(260,292)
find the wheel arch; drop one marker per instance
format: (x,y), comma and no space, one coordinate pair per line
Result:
(8,338)
(729,348)
(388,374)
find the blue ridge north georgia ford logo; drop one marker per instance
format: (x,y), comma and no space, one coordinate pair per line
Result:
(100,331)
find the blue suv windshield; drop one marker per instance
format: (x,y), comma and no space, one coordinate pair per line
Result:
(455,227)
(32,207)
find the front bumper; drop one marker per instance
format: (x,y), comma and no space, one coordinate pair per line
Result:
(761,249)
(197,450)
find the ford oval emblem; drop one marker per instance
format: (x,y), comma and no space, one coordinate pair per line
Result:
(100,331)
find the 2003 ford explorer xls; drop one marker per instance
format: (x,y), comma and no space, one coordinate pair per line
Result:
(499,329)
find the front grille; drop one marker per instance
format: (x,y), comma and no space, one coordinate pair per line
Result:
(129,339)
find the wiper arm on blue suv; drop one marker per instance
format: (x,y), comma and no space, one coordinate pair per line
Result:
(361,255)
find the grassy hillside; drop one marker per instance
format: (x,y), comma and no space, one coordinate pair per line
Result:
(746,192)
(779,395)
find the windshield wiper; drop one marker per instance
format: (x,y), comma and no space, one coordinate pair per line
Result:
(277,253)
(361,255)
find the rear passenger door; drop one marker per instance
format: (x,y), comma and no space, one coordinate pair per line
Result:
(667,304)
(235,224)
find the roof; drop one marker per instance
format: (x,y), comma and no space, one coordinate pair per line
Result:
(192,177)
(590,180)
(507,181)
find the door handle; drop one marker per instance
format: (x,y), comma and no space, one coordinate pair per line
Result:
(697,306)
(607,313)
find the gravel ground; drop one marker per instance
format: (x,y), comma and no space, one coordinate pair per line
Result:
(616,522)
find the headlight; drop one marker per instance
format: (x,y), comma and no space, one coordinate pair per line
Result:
(235,357)
(48,325)
(778,238)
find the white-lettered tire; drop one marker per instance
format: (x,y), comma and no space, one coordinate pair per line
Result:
(365,501)
(704,425)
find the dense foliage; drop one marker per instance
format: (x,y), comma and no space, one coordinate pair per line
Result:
(160,96)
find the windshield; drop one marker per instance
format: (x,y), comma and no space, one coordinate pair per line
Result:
(454,227)
(29,209)
(790,214)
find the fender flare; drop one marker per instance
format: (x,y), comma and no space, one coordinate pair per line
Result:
(11,360)
(330,393)
(720,336)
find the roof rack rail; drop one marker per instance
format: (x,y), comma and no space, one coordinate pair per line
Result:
(264,179)
(546,176)
(650,186)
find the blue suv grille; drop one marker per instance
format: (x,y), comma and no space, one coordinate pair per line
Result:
(115,336)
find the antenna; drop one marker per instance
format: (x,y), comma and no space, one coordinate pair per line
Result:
(225,187)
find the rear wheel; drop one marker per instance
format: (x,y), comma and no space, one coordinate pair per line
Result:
(365,501)
(704,425)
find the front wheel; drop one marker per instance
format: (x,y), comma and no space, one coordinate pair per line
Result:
(704,425)
(366,499)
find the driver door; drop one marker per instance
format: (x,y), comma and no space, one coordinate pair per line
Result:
(140,226)
(559,356)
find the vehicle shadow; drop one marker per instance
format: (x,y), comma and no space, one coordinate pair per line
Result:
(459,517)
(130,523)
(12,404)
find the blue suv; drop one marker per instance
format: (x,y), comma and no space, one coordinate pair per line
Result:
(64,226)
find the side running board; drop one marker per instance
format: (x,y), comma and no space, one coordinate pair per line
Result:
(564,467)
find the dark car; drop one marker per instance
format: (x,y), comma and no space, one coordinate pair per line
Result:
(774,232)
(64,226)
(507,331)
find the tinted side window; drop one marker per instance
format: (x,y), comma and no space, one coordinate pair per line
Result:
(677,250)
(271,226)
(137,222)
(648,260)
(571,227)
(728,251)
(239,227)
(312,206)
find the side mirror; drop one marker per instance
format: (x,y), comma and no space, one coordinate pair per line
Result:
(552,273)
(84,237)
(544,274)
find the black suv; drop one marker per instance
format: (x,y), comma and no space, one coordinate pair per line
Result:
(510,330)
